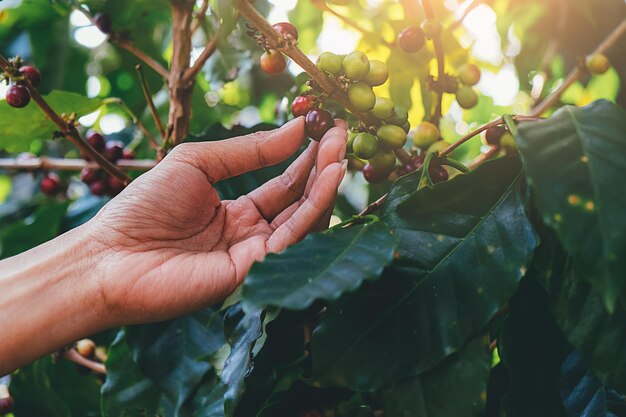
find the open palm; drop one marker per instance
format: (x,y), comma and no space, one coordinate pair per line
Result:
(171,245)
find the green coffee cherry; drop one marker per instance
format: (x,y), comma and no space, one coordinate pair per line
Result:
(391,136)
(350,142)
(365,145)
(469,74)
(598,64)
(399,118)
(438,146)
(383,108)
(361,96)
(356,65)
(378,73)
(384,160)
(425,135)
(330,63)
(466,97)
(507,143)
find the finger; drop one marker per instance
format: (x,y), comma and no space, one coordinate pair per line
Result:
(311,211)
(231,157)
(341,123)
(278,193)
(332,148)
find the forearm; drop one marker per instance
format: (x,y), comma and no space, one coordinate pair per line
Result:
(49,297)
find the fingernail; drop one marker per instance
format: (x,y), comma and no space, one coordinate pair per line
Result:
(344,168)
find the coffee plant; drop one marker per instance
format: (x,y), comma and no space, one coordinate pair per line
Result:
(476,263)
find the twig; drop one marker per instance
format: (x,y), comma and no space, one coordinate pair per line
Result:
(69,131)
(473,4)
(493,151)
(148,96)
(439,53)
(63,164)
(321,4)
(200,16)
(127,44)
(136,120)
(576,73)
(73,355)
(481,129)
(329,86)
(208,50)
(374,206)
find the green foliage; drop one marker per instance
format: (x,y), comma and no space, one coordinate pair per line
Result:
(579,200)
(322,267)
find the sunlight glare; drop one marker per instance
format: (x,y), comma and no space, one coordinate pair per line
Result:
(78,19)
(93,86)
(481,24)
(336,38)
(89,36)
(89,119)
(112,123)
(502,86)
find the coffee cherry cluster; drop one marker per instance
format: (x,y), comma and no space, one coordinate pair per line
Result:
(500,138)
(272,61)
(18,95)
(100,183)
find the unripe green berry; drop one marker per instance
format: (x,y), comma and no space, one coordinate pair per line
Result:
(399,118)
(508,144)
(350,142)
(431,28)
(356,65)
(384,160)
(425,135)
(392,136)
(469,74)
(466,97)
(438,146)
(330,63)
(361,96)
(383,108)
(378,73)
(598,64)
(365,145)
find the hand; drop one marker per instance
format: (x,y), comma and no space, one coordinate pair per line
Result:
(170,246)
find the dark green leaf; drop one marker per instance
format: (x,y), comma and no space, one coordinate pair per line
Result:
(321,267)
(455,388)
(168,353)
(464,245)
(127,392)
(575,164)
(20,127)
(42,226)
(584,395)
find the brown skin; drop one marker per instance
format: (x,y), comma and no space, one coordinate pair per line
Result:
(167,245)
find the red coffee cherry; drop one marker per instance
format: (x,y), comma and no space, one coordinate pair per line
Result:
(98,187)
(301,105)
(103,22)
(493,135)
(88,175)
(32,74)
(286,29)
(114,149)
(411,39)
(114,186)
(51,184)
(96,140)
(18,96)
(273,62)
(317,123)
(373,174)
(128,154)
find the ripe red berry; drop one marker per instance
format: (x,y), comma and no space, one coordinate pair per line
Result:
(98,187)
(286,29)
(114,150)
(493,135)
(301,105)
(437,173)
(411,39)
(51,184)
(103,22)
(128,154)
(88,176)
(114,186)
(373,174)
(32,74)
(273,62)
(18,96)
(96,141)
(317,123)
